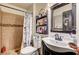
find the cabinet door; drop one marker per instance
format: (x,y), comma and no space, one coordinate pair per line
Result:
(11,30)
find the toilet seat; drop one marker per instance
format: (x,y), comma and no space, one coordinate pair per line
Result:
(28,50)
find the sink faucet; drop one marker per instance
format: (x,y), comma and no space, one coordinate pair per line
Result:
(57,37)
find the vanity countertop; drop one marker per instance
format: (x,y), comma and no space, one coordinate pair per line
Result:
(56,43)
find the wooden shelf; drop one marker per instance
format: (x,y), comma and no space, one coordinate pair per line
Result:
(42,25)
(42,33)
(41,17)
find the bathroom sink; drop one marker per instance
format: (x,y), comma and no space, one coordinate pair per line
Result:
(58,46)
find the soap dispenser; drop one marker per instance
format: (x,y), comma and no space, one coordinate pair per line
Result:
(73,37)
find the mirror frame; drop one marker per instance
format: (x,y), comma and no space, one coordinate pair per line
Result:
(58,5)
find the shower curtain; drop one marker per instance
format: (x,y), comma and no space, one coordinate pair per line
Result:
(27,29)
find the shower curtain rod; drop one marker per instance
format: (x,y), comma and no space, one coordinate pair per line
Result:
(12,8)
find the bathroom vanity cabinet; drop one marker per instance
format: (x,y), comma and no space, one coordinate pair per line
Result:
(47,51)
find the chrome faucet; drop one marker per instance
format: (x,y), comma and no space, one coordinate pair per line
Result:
(57,37)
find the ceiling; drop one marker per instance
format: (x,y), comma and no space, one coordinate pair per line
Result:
(28,6)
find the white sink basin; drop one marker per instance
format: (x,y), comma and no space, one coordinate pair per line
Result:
(58,46)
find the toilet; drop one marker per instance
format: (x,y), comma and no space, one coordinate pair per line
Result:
(28,50)
(32,50)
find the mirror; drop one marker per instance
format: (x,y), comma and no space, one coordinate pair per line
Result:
(63,18)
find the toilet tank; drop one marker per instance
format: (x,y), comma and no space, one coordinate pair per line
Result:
(37,41)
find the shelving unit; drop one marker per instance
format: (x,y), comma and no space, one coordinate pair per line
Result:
(42,17)
(42,25)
